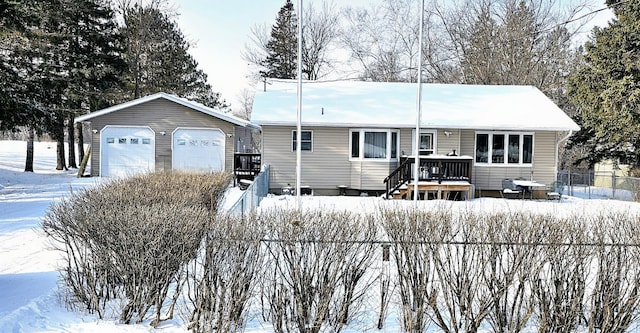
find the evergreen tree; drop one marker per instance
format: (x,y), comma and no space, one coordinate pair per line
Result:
(607,89)
(18,32)
(282,48)
(158,60)
(83,64)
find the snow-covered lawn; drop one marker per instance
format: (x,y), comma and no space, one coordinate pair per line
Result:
(29,294)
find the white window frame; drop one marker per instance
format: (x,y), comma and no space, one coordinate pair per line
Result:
(293,142)
(361,136)
(434,140)
(505,162)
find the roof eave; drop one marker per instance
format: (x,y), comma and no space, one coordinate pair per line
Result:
(406,125)
(175,99)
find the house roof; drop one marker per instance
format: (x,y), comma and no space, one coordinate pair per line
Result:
(393,105)
(182,101)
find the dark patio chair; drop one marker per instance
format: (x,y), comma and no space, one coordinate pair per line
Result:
(510,189)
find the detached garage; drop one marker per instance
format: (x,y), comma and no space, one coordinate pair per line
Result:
(162,132)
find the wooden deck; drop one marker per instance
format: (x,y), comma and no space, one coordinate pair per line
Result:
(436,190)
(438,177)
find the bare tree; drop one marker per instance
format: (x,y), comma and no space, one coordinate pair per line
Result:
(320,32)
(383,40)
(245,97)
(466,41)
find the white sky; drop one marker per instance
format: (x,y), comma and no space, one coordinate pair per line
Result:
(221,28)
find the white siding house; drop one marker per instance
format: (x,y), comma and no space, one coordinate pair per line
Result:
(354,133)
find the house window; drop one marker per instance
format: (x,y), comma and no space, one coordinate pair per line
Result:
(504,148)
(374,144)
(306,143)
(426,144)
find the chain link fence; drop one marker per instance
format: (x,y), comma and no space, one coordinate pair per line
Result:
(600,185)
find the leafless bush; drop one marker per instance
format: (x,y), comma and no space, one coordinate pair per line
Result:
(559,286)
(409,230)
(222,282)
(615,295)
(462,300)
(129,240)
(514,240)
(317,269)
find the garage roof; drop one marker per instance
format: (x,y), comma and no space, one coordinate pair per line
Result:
(182,101)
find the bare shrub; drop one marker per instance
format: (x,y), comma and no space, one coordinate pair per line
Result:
(129,240)
(615,295)
(409,231)
(559,286)
(317,268)
(462,301)
(514,240)
(222,282)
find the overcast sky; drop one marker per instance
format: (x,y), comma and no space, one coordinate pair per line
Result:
(221,28)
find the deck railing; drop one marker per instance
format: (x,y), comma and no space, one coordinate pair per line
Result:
(432,168)
(246,165)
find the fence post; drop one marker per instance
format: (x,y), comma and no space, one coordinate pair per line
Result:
(613,183)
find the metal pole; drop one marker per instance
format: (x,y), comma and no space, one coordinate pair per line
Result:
(299,113)
(416,143)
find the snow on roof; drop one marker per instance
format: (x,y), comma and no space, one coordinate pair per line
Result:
(182,101)
(392,104)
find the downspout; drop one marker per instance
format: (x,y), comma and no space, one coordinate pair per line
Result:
(558,150)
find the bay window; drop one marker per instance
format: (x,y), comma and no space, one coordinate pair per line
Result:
(508,148)
(373,144)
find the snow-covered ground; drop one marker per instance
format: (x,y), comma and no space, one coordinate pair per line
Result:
(29,293)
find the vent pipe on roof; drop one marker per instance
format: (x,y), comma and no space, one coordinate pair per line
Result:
(322,111)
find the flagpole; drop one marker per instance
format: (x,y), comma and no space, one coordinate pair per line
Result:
(416,143)
(299,113)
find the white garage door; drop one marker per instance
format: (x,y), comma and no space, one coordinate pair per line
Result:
(126,150)
(198,149)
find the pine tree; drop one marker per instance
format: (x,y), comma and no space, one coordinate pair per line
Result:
(282,48)
(158,59)
(82,63)
(607,89)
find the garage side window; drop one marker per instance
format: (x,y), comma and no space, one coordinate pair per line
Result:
(306,143)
